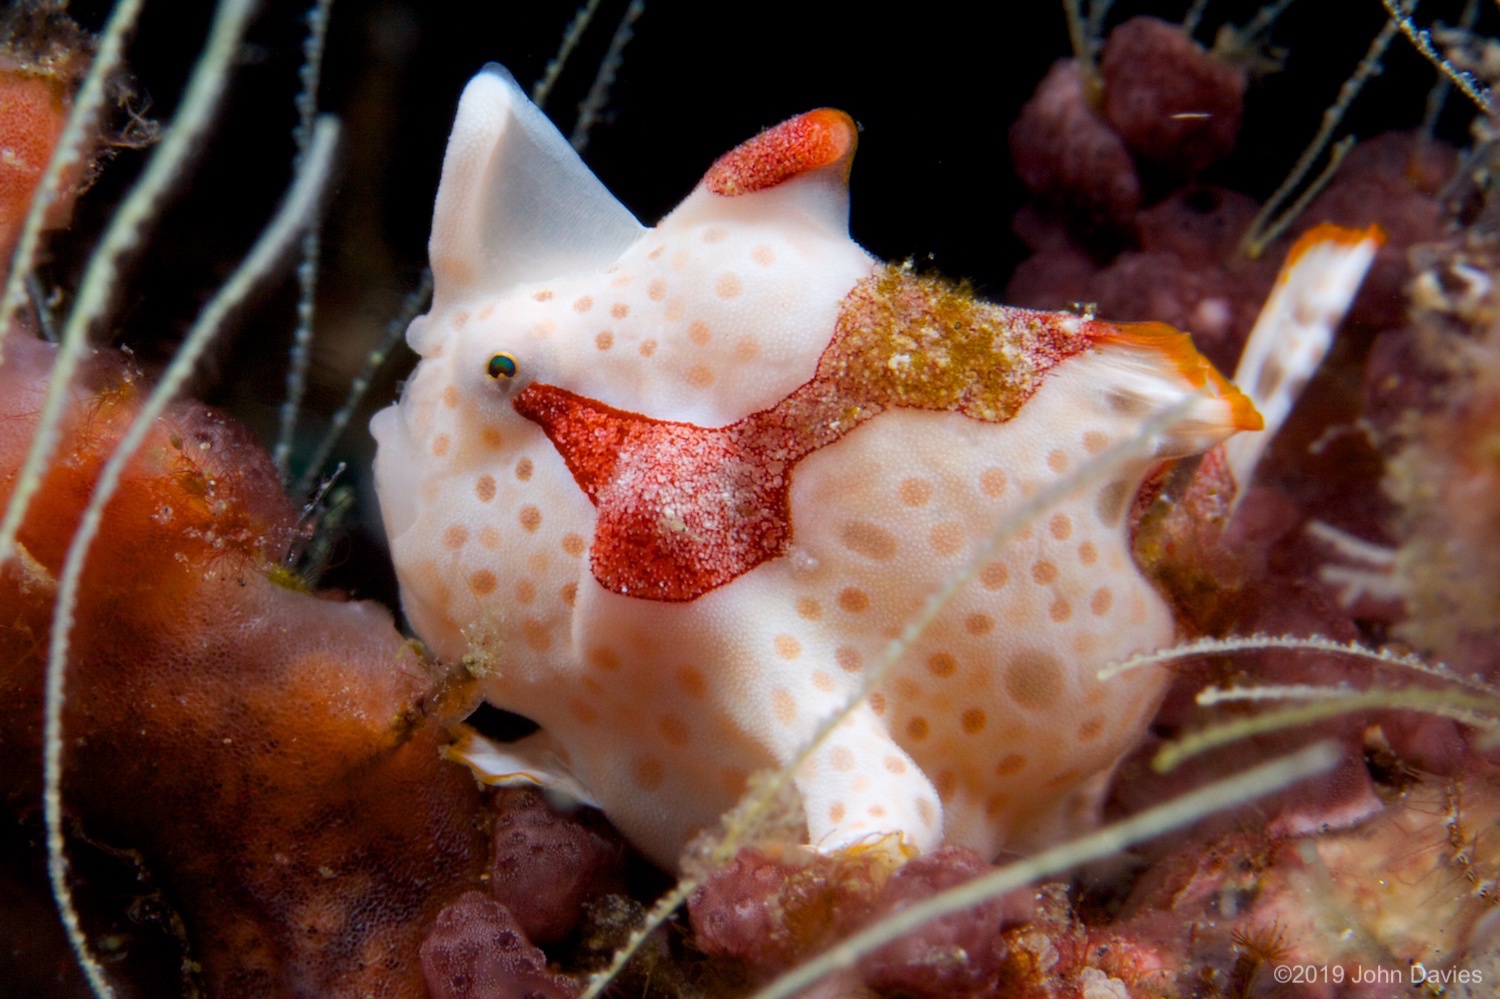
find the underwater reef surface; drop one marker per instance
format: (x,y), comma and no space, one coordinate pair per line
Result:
(256,762)
(255,795)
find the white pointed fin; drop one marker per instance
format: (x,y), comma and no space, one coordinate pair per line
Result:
(515,203)
(1295,329)
(534,761)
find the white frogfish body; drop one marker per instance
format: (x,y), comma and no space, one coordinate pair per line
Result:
(676,489)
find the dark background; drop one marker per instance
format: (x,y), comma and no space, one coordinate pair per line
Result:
(934,89)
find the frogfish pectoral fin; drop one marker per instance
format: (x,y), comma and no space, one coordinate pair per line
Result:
(535,761)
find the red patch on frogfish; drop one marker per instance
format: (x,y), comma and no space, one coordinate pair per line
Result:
(684,509)
(813,141)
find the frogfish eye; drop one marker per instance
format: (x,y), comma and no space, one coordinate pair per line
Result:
(501,366)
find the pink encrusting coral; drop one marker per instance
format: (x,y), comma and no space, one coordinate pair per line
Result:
(1175,254)
(477,951)
(954,956)
(1070,157)
(767,911)
(1183,115)
(546,865)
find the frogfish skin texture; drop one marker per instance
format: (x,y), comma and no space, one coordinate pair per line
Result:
(675,489)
